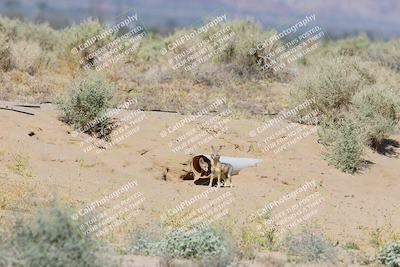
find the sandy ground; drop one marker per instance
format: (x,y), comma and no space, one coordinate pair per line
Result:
(353,206)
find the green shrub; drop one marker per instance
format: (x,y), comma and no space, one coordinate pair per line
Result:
(205,244)
(377,112)
(386,53)
(351,246)
(309,246)
(85,105)
(342,139)
(389,254)
(50,238)
(332,82)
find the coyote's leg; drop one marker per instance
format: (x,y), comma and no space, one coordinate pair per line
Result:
(230,179)
(211,179)
(219,179)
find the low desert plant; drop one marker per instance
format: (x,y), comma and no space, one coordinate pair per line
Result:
(342,139)
(310,247)
(85,106)
(377,112)
(203,244)
(389,254)
(21,165)
(49,238)
(351,246)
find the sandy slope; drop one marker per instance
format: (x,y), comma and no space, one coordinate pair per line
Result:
(354,204)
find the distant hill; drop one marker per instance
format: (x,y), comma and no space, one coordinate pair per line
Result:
(378,18)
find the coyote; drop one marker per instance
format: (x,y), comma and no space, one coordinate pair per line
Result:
(219,169)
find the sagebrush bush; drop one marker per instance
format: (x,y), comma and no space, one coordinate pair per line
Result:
(310,247)
(149,51)
(202,244)
(350,46)
(9,26)
(26,56)
(247,35)
(332,82)
(5,53)
(50,238)
(377,112)
(389,254)
(386,53)
(85,105)
(43,34)
(78,35)
(342,139)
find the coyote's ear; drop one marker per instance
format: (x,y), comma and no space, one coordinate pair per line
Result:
(213,149)
(220,147)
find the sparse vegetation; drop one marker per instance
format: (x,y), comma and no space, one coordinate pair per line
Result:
(332,82)
(309,246)
(21,165)
(389,254)
(49,238)
(202,244)
(25,56)
(5,53)
(250,241)
(377,112)
(345,148)
(351,246)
